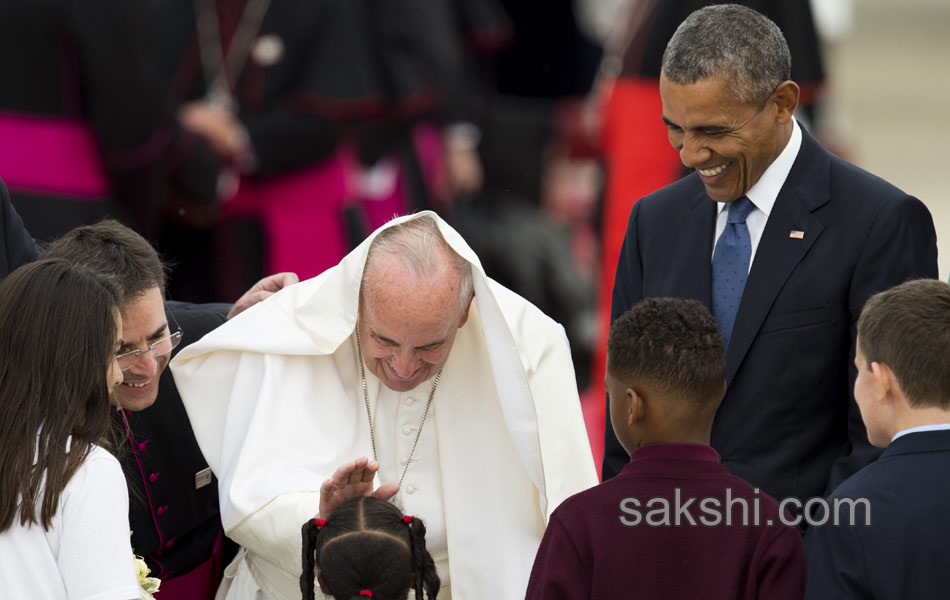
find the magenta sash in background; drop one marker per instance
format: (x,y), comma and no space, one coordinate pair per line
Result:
(51,155)
(302,211)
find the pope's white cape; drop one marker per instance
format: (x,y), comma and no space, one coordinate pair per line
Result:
(274,399)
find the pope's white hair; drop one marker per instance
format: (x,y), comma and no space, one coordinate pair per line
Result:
(421,247)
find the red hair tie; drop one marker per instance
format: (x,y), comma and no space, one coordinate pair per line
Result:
(319,522)
(407,519)
(366,593)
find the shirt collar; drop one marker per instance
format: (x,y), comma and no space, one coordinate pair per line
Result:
(700,452)
(918,429)
(766,189)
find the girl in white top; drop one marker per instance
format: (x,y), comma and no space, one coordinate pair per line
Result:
(64,530)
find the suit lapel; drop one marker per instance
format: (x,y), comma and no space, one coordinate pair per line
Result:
(779,251)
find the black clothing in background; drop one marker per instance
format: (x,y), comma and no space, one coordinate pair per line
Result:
(16,246)
(91,62)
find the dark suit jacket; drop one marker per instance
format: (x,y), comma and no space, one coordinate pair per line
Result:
(174,516)
(903,553)
(16,246)
(788,415)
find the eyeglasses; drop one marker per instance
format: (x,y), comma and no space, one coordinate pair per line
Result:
(160,348)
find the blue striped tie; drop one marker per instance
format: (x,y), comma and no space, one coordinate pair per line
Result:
(730,266)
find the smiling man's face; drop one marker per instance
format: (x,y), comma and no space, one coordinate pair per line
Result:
(408,322)
(730,144)
(143,324)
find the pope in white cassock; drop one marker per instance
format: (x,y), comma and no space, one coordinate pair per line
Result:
(468,408)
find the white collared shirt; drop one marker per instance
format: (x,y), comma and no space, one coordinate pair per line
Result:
(764,193)
(919,428)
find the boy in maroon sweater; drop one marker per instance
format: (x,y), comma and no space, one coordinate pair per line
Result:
(674,523)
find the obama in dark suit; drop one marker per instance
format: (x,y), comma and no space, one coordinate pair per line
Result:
(783,241)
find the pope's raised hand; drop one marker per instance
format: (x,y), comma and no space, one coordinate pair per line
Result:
(351,480)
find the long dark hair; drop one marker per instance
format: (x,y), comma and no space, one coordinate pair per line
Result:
(367,544)
(57,340)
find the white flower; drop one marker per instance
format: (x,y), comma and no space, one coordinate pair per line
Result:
(148,584)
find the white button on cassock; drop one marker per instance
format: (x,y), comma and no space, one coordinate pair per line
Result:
(421,490)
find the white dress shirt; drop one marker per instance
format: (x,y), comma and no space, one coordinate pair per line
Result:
(919,428)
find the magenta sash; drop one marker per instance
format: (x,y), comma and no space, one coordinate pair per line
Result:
(200,583)
(301,214)
(51,155)
(302,211)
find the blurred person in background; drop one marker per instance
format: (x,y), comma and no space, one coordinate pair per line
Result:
(315,110)
(530,220)
(85,131)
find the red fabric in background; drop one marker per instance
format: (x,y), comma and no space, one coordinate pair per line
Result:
(639,160)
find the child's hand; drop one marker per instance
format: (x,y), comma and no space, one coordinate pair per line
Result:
(353,479)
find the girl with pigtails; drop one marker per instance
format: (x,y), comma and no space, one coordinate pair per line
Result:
(367,549)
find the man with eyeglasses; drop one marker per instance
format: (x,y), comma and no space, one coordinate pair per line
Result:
(783,241)
(174,510)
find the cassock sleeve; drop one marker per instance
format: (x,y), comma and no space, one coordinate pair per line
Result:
(901,245)
(19,247)
(628,290)
(560,571)
(781,568)
(273,532)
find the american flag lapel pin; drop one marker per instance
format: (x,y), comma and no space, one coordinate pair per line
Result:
(796,234)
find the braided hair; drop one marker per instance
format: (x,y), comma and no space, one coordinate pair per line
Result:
(368,549)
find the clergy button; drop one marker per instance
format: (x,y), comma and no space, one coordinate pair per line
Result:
(411,489)
(153,478)
(169,544)
(407,430)
(141,445)
(410,401)
(161,510)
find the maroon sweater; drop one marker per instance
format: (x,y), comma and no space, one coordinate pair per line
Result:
(630,538)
